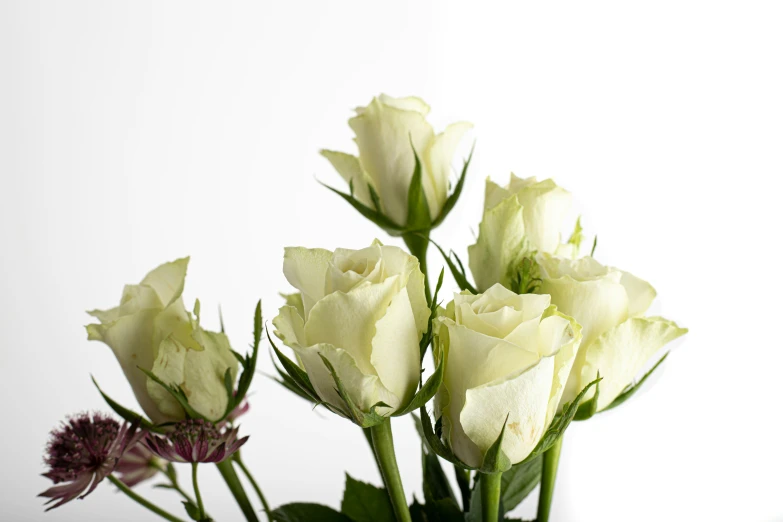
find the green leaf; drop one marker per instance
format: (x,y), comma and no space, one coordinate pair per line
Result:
(248,367)
(630,390)
(426,392)
(452,199)
(365,503)
(435,483)
(192,510)
(576,236)
(559,423)
(458,273)
(301,512)
(297,375)
(418,209)
(433,440)
(129,415)
(495,460)
(373,215)
(363,419)
(426,339)
(588,408)
(518,482)
(177,393)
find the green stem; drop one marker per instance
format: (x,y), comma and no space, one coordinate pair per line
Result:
(417,243)
(144,502)
(548,476)
(383,442)
(229,474)
(199,502)
(253,483)
(463,481)
(490,496)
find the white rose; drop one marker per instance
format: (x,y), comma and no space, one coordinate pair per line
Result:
(365,312)
(609,304)
(385,130)
(151,329)
(525,216)
(506,354)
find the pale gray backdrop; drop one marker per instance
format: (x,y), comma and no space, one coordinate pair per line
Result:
(132,133)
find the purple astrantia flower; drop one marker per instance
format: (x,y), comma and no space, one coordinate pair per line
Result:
(240,410)
(82,452)
(195,441)
(137,465)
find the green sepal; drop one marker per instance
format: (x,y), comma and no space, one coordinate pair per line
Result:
(303,512)
(425,393)
(360,418)
(426,339)
(448,205)
(588,408)
(178,394)
(127,414)
(435,443)
(375,216)
(495,459)
(366,503)
(559,424)
(519,481)
(295,373)
(595,244)
(577,235)
(458,273)
(631,389)
(418,209)
(191,510)
(248,363)
(287,382)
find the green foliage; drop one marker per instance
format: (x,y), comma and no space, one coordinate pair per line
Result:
(426,339)
(127,414)
(457,270)
(526,275)
(296,377)
(631,389)
(366,503)
(302,512)
(519,481)
(178,393)
(577,236)
(454,197)
(426,392)
(588,408)
(495,460)
(418,208)
(360,418)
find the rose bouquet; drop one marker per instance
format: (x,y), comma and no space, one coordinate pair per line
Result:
(537,335)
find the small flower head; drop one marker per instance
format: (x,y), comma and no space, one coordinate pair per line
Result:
(195,441)
(137,465)
(82,452)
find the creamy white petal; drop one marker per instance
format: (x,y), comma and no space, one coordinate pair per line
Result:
(565,355)
(289,326)
(439,158)
(347,320)
(168,280)
(384,135)
(305,269)
(406,103)
(597,305)
(350,169)
(545,207)
(365,390)
(621,353)
(130,338)
(500,244)
(494,194)
(641,294)
(523,397)
(395,348)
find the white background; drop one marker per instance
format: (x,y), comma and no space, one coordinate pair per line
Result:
(134,133)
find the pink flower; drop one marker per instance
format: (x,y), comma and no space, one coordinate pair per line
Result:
(195,441)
